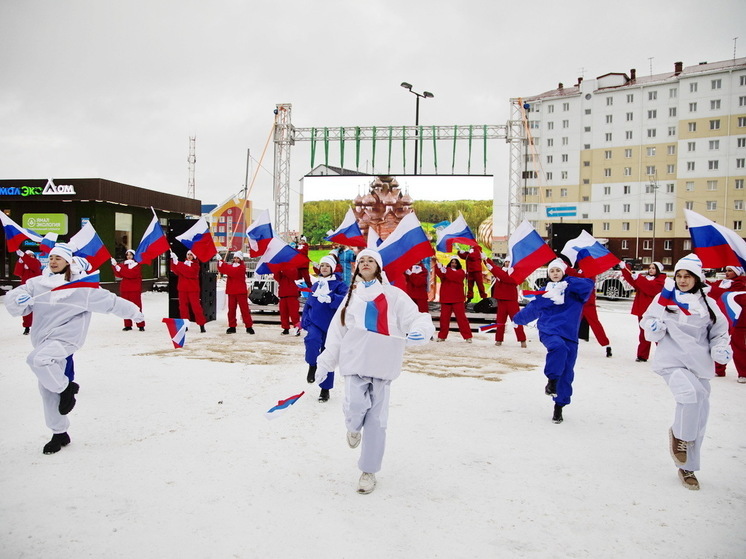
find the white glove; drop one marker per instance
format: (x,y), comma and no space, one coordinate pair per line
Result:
(218,257)
(23,300)
(324,299)
(721,354)
(483,256)
(408,272)
(113,262)
(656,325)
(174,257)
(441,267)
(20,253)
(622,265)
(416,338)
(556,292)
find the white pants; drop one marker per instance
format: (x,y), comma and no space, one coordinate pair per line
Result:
(48,362)
(692,395)
(366,409)
(51,401)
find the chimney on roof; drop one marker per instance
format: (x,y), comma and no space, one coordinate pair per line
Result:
(632,74)
(580,80)
(561,86)
(677,68)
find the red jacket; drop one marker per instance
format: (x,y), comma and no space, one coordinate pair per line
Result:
(236,274)
(416,284)
(717,290)
(473,259)
(131,277)
(188,275)
(27,267)
(645,290)
(451,285)
(286,286)
(505,287)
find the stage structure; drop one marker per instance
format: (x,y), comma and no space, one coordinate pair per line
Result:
(285,136)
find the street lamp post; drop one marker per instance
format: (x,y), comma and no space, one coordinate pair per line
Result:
(425,95)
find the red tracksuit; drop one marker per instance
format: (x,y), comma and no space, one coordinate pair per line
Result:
(130,288)
(237,292)
(473,259)
(288,293)
(303,274)
(27,267)
(505,292)
(738,339)
(717,289)
(645,292)
(452,301)
(590,313)
(189,290)
(417,288)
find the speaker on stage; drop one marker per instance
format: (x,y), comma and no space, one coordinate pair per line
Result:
(560,233)
(207,279)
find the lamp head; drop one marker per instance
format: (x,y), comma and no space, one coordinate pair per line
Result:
(427,94)
(406,85)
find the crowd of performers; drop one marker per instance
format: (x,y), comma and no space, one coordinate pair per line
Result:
(357,323)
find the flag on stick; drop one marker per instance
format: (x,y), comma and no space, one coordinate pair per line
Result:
(92,281)
(15,234)
(88,244)
(716,246)
(456,232)
(527,251)
(279,254)
(586,253)
(48,242)
(282,405)
(177,328)
(348,233)
(153,243)
(259,234)
(199,240)
(406,245)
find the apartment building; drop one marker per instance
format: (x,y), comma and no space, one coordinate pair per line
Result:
(628,154)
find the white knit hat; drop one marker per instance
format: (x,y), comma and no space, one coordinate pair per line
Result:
(130,250)
(736,269)
(238,254)
(194,255)
(330,260)
(691,263)
(557,263)
(374,254)
(659,266)
(64,251)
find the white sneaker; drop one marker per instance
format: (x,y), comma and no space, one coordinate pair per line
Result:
(353,439)
(366,484)
(742,380)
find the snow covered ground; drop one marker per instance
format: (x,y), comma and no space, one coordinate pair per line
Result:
(171,455)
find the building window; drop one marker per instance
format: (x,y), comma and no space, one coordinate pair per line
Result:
(564,140)
(740,163)
(550,125)
(607,172)
(625,244)
(609,119)
(739,184)
(531,208)
(652,95)
(550,142)
(651,151)
(671,150)
(606,226)
(743,80)
(671,130)
(714,144)
(693,87)
(608,136)
(737,225)
(650,188)
(586,129)
(668,226)
(607,208)
(670,169)
(691,146)
(692,127)
(628,171)
(565,124)
(712,205)
(607,191)
(586,181)
(531,190)
(647,226)
(738,205)
(549,175)
(550,108)
(712,185)
(528,175)
(651,132)
(741,121)
(626,208)
(669,206)
(631,96)
(548,193)
(628,135)
(687,244)
(630,117)
(715,124)
(609,101)
(742,101)
(672,111)
(565,158)
(649,208)
(690,186)
(652,114)
(565,106)
(689,205)
(550,158)
(628,153)
(587,111)
(741,142)
(716,84)
(667,244)
(692,107)
(586,163)
(563,191)
(713,165)
(670,188)
(607,154)
(563,174)
(690,166)
(672,93)
(650,170)
(715,104)
(627,189)
(625,225)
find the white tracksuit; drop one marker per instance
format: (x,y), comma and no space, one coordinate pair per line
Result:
(683,358)
(61,320)
(369,361)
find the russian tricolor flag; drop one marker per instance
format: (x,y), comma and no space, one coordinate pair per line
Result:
(177,328)
(153,243)
(456,232)
(527,251)
(15,234)
(348,233)
(668,297)
(377,315)
(48,242)
(91,281)
(587,254)
(732,308)
(89,245)
(259,234)
(374,239)
(279,254)
(716,246)
(406,245)
(488,327)
(199,240)
(282,405)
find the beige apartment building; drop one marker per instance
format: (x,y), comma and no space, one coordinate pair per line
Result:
(628,153)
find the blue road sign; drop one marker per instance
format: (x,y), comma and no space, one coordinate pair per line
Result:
(562,211)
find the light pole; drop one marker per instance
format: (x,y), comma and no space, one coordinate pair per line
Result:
(425,95)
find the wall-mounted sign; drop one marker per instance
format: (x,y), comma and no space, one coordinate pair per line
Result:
(46,223)
(49,189)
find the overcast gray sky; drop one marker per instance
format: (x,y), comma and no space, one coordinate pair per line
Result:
(114,89)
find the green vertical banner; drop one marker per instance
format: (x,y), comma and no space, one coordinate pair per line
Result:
(313,146)
(326,146)
(435,152)
(484,148)
(357,148)
(373,162)
(453,157)
(391,139)
(342,147)
(471,136)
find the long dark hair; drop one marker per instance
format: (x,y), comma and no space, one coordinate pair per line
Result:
(353,286)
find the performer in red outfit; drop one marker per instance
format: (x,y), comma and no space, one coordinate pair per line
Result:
(288,292)
(646,288)
(27,267)
(505,292)
(302,247)
(416,286)
(130,288)
(734,281)
(452,299)
(189,288)
(236,291)
(590,313)
(473,259)
(738,341)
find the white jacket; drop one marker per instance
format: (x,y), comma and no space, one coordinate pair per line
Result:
(65,315)
(359,351)
(686,341)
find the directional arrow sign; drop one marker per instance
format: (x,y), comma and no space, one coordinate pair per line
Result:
(562,211)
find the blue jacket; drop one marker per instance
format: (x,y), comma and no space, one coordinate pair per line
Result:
(559,320)
(320,314)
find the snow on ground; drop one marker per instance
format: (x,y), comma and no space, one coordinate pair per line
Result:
(171,455)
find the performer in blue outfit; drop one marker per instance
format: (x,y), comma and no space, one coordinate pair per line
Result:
(326,295)
(559,312)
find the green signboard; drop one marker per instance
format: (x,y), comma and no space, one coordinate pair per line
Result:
(46,223)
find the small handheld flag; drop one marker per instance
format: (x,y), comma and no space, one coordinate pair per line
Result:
(668,297)
(279,254)
(456,232)
(15,234)
(48,242)
(91,281)
(586,253)
(282,405)
(527,251)
(199,240)
(377,315)
(716,246)
(348,233)
(732,308)
(259,234)
(488,327)
(153,243)
(89,245)
(177,329)
(408,244)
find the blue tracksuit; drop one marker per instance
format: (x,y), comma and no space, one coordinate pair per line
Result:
(316,318)
(558,330)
